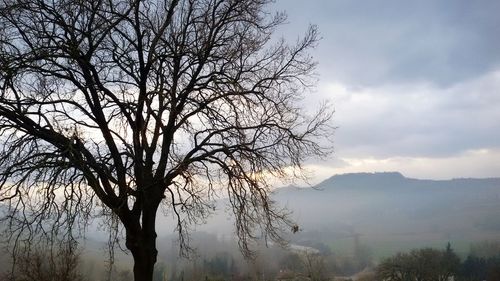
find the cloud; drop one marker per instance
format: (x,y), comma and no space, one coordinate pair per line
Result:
(417,119)
(415,84)
(480,163)
(367,43)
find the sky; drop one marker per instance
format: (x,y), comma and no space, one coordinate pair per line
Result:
(415,84)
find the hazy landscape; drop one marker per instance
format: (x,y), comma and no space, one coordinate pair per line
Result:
(390,213)
(154,140)
(356,218)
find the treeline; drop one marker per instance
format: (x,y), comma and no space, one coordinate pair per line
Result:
(429,264)
(218,259)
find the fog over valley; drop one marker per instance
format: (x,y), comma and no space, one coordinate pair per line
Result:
(366,216)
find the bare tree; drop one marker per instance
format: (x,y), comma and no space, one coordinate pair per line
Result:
(58,261)
(119,107)
(420,265)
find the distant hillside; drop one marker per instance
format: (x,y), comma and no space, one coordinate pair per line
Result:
(389,206)
(352,197)
(385,203)
(396,179)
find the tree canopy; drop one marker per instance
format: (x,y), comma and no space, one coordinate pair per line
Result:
(425,264)
(120,107)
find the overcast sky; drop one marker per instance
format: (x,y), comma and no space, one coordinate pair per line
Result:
(415,84)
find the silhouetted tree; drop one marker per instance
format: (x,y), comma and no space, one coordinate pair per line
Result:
(119,107)
(450,263)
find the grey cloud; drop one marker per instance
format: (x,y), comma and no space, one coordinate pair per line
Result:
(426,121)
(377,42)
(412,79)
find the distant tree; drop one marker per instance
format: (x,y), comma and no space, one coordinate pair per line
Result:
(292,261)
(122,107)
(450,263)
(41,263)
(306,264)
(396,268)
(219,265)
(363,256)
(315,267)
(420,265)
(480,268)
(473,268)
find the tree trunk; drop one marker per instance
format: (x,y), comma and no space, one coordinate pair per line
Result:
(141,241)
(144,262)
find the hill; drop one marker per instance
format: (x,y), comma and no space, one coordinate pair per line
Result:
(388,209)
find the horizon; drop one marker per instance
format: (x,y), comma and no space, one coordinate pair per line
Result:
(316,182)
(405,176)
